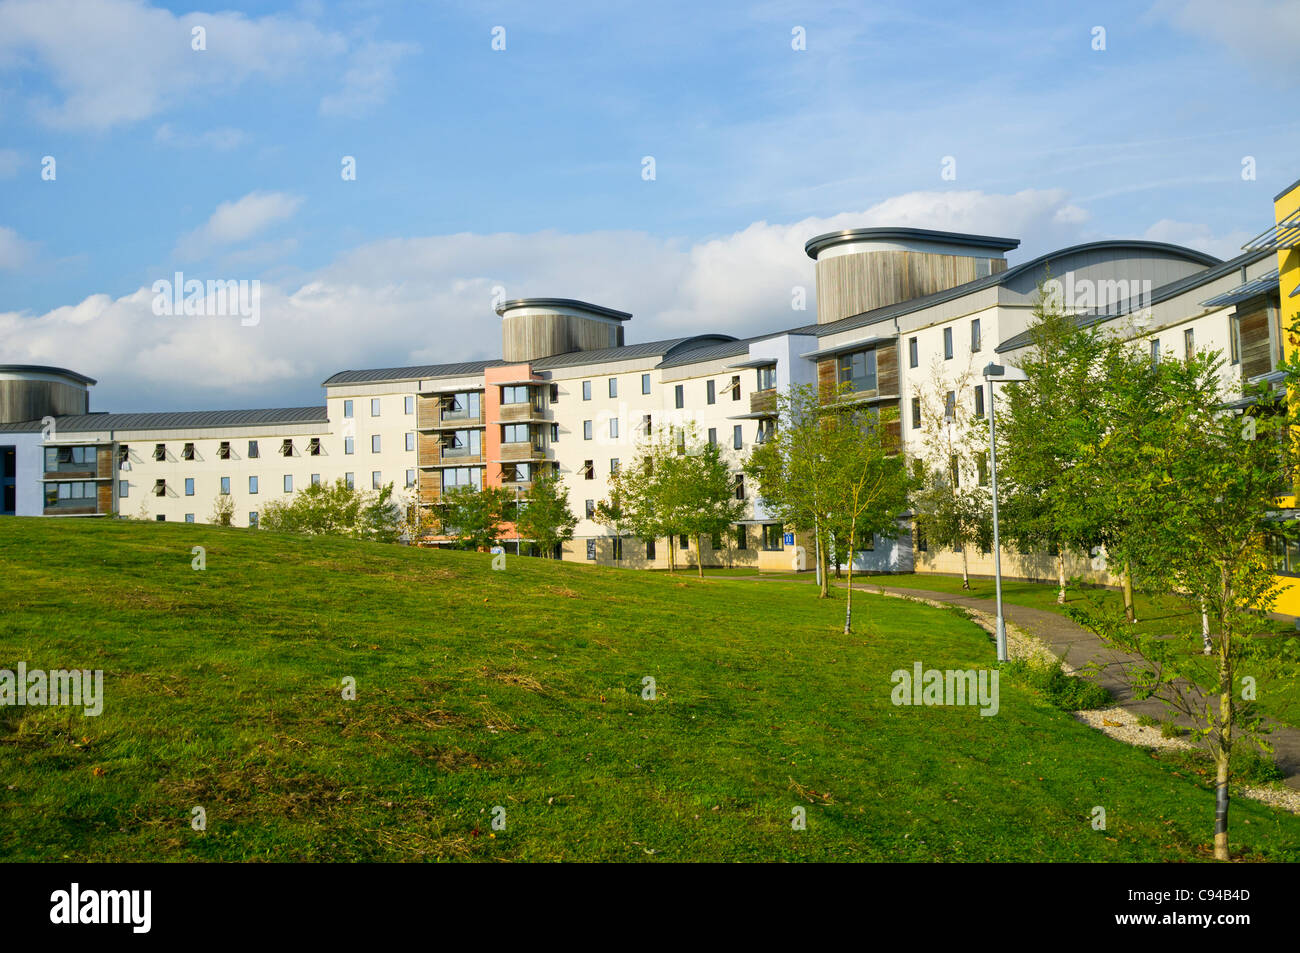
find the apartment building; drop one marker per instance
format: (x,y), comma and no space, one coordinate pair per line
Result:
(902,314)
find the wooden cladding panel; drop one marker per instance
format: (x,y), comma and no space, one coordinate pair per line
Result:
(1256,343)
(887,368)
(427,411)
(513,412)
(826,377)
(104,498)
(104,462)
(34,399)
(762,402)
(854,283)
(430,487)
(520,451)
(528,337)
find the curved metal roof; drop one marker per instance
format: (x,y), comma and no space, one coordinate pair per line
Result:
(820,243)
(178,420)
(46,369)
(572,304)
(411,373)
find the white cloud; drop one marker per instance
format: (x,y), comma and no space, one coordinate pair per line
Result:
(15,252)
(120,61)
(429,299)
(236,221)
(1263,33)
(370,77)
(1198,236)
(220,138)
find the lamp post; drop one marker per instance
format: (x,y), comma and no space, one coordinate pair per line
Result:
(1007,374)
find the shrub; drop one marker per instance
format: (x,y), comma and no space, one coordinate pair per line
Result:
(1066,692)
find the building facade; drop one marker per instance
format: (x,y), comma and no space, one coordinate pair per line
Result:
(901,313)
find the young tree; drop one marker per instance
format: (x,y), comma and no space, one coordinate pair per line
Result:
(1043,424)
(546,518)
(336,509)
(953,501)
(704,492)
(643,492)
(223,509)
(474,516)
(793,469)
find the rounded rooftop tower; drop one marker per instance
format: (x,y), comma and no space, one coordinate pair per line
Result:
(33,391)
(861,269)
(533,328)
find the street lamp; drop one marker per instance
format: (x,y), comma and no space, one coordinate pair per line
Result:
(995,373)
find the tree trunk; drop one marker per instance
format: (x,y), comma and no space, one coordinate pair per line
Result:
(699,552)
(672,563)
(1126,582)
(1206,644)
(965,569)
(823,564)
(1060,575)
(848,589)
(1223,751)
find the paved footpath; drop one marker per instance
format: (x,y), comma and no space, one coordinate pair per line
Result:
(1084,649)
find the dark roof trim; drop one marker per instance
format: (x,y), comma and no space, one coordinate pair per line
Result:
(416,372)
(46,369)
(861,345)
(1262,285)
(570,303)
(178,420)
(820,243)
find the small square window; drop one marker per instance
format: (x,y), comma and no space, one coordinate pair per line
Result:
(225,486)
(288,483)
(410,479)
(645,383)
(376,479)
(408,404)
(586,390)
(679,397)
(613,428)
(252,484)
(189,517)
(737,439)
(349,481)
(374,443)
(591,508)
(189,486)
(252,520)
(253,452)
(613,465)
(315,479)
(591,549)
(588,469)
(347,408)
(586,430)
(374,406)
(347,445)
(947,344)
(913,353)
(613,387)
(709,395)
(975,339)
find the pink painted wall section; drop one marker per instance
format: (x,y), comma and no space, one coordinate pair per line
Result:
(493,378)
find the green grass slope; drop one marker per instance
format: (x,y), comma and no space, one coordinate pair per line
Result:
(522,688)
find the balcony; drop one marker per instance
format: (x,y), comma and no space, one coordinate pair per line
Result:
(763,402)
(430,489)
(521,452)
(519,413)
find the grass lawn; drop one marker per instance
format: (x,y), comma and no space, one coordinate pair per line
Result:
(522,688)
(1156,615)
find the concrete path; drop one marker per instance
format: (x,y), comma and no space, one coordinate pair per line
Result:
(1081,648)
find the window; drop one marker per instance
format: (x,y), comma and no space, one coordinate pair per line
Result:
(286,448)
(160,488)
(684,542)
(613,428)
(347,444)
(913,353)
(160,518)
(1234,339)
(410,440)
(950,405)
(916,413)
(462,406)
(947,344)
(742,538)
(713,436)
(954,470)
(586,390)
(315,479)
(189,486)
(919,534)
(975,335)
(618,548)
(160,451)
(555,393)
(645,423)
(737,438)
(772,537)
(347,408)
(645,383)
(766,430)
(739,486)
(588,470)
(376,479)
(408,404)
(348,481)
(613,465)
(374,406)
(710,397)
(288,483)
(514,395)
(189,517)
(252,484)
(188,452)
(1155,350)
(252,520)
(465,443)
(767,378)
(123,489)
(123,453)
(457,477)
(225,486)
(1189,342)
(586,430)
(223,451)
(679,397)
(715,541)
(374,443)
(613,387)
(649,549)
(253,452)
(982,468)
(591,509)
(591,549)
(979,400)
(555,432)
(681,443)
(735,387)
(858,370)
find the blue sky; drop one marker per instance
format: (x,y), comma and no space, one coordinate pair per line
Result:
(522,168)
